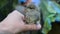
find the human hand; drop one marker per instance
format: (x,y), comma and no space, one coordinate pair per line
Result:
(14,23)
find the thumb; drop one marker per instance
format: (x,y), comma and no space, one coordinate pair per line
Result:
(33,27)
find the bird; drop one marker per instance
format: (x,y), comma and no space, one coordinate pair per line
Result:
(31,14)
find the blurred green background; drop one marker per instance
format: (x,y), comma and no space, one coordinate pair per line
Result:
(6,6)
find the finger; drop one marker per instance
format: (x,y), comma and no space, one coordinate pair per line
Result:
(33,27)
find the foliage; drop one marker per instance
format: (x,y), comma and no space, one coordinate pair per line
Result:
(5,8)
(49,14)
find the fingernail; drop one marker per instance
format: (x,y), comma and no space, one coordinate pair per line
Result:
(38,25)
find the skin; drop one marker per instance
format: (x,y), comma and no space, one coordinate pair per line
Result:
(28,2)
(14,23)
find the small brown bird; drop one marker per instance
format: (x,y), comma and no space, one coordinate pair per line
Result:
(30,12)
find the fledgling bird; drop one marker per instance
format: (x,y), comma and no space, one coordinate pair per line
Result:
(32,14)
(30,11)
